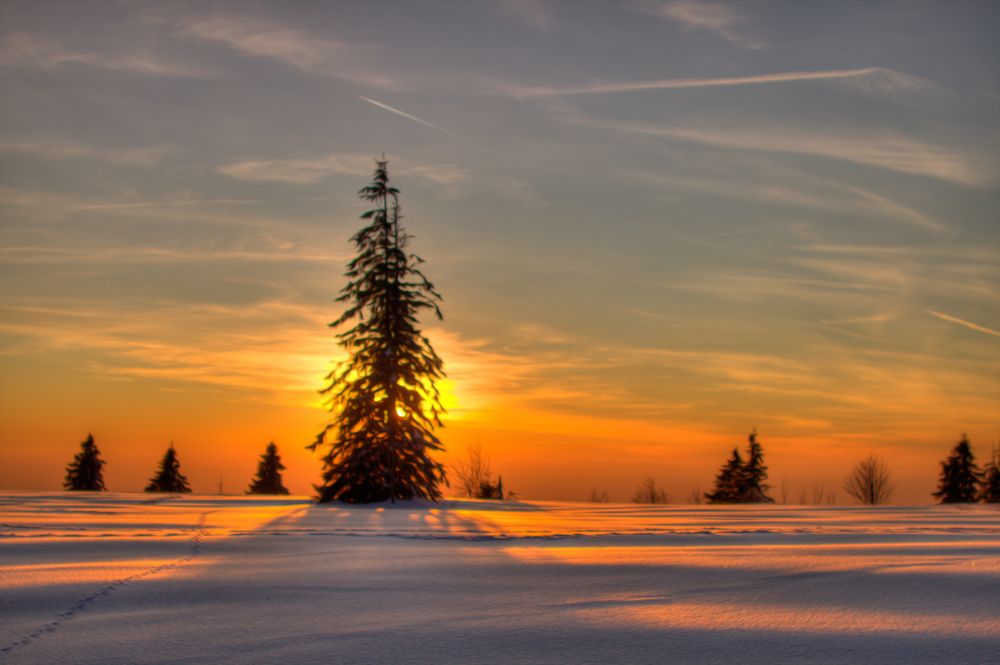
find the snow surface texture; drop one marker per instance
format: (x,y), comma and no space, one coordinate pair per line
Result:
(124,578)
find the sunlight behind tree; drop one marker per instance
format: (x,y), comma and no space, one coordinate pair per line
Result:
(384,398)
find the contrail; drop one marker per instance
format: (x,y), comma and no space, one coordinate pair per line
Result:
(898,78)
(404,114)
(962,322)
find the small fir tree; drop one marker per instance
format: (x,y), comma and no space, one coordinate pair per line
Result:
(86,471)
(168,477)
(990,491)
(729,481)
(269,468)
(959,475)
(384,398)
(754,490)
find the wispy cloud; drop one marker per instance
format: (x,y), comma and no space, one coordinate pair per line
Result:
(58,148)
(515,190)
(875,77)
(191,203)
(824,381)
(836,293)
(309,170)
(264,38)
(202,343)
(962,322)
(165,255)
(414,118)
(298,170)
(882,149)
(276,351)
(787,191)
(955,273)
(879,318)
(714,17)
(533,13)
(117,208)
(439,174)
(29,51)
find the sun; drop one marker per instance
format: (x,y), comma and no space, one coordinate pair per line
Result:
(447,395)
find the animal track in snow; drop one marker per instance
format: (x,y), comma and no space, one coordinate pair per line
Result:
(195,549)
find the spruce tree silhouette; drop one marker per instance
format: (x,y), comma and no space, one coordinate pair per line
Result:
(990,491)
(959,475)
(729,481)
(384,398)
(739,481)
(86,471)
(168,477)
(269,468)
(755,473)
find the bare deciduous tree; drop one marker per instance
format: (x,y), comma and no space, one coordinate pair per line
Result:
(599,496)
(647,492)
(473,472)
(870,481)
(819,491)
(696,497)
(785,489)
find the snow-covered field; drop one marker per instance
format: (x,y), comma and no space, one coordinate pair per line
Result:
(128,578)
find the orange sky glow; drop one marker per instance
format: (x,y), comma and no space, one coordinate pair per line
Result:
(582,441)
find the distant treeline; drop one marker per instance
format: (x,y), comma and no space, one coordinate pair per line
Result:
(869,482)
(86,472)
(738,481)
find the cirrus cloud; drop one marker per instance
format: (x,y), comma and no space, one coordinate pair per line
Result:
(878,79)
(29,51)
(308,170)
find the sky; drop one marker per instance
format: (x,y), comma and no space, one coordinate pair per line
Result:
(656,226)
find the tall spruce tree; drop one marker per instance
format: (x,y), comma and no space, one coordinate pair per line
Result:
(86,471)
(959,475)
(990,491)
(269,468)
(729,481)
(168,477)
(754,490)
(384,400)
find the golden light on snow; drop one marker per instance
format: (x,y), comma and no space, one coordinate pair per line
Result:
(791,558)
(75,572)
(664,613)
